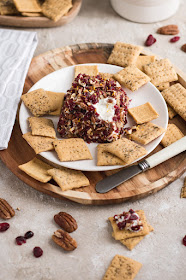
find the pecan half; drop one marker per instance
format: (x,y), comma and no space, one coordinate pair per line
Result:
(168,30)
(183,48)
(6,211)
(65,221)
(64,240)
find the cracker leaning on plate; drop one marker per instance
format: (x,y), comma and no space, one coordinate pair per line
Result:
(143,113)
(91,70)
(42,127)
(143,60)
(39,143)
(122,268)
(106,158)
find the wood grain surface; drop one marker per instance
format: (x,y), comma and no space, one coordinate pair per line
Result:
(41,22)
(19,151)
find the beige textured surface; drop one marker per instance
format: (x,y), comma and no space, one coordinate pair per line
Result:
(161,252)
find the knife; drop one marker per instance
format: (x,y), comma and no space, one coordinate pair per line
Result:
(116,179)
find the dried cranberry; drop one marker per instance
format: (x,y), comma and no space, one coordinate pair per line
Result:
(133,217)
(121,225)
(131,211)
(135,228)
(20,240)
(184,240)
(38,252)
(174,39)
(29,234)
(4,227)
(150,40)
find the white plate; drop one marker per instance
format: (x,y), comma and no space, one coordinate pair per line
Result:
(61,80)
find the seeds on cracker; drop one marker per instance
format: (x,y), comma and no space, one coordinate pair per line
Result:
(68,179)
(55,9)
(131,77)
(38,102)
(160,71)
(71,149)
(39,143)
(172,134)
(183,190)
(175,96)
(126,150)
(27,6)
(106,76)
(57,99)
(143,60)
(146,133)
(42,127)
(172,113)
(163,86)
(37,169)
(143,113)
(122,268)
(124,54)
(106,158)
(91,70)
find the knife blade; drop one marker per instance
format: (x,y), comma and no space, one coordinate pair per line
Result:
(122,176)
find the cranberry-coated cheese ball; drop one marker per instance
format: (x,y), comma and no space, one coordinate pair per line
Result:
(94,109)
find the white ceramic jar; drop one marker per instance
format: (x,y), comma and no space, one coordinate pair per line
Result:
(145,11)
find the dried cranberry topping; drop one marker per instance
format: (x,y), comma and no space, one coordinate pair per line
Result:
(135,228)
(121,225)
(20,240)
(131,211)
(4,227)
(184,240)
(38,252)
(29,234)
(150,40)
(174,39)
(133,217)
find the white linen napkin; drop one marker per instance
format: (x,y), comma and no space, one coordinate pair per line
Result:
(16,51)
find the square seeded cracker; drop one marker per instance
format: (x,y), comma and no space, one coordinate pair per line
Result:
(143,60)
(38,102)
(105,158)
(27,6)
(39,143)
(183,190)
(126,150)
(122,268)
(55,9)
(68,179)
(37,169)
(91,70)
(131,77)
(175,96)
(71,149)
(57,100)
(42,127)
(160,71)
(163,86)
(125,233)
(172,135)
(143,113)
(106,76)
(130,243)
(124,54)
(146,133)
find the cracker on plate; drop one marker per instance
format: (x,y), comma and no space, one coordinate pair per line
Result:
(7,7)
(68,179)
(163,86)
(131,77)
(91,70)
(37,169)
(42,127)
(143,60)
(130,243)
(106,76)
(39,143)
(105,158)
(146,133)
(71,149)
(143,113)
(55,9)
(172,135)
(125,233)
(183,190)
(57,99)
(126,150)
(122,268)
(175,96)
(160,71)
(27,6)
(38,102)
(124,54)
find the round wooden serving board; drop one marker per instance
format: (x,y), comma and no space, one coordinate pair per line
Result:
(42,22)
(19,151)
